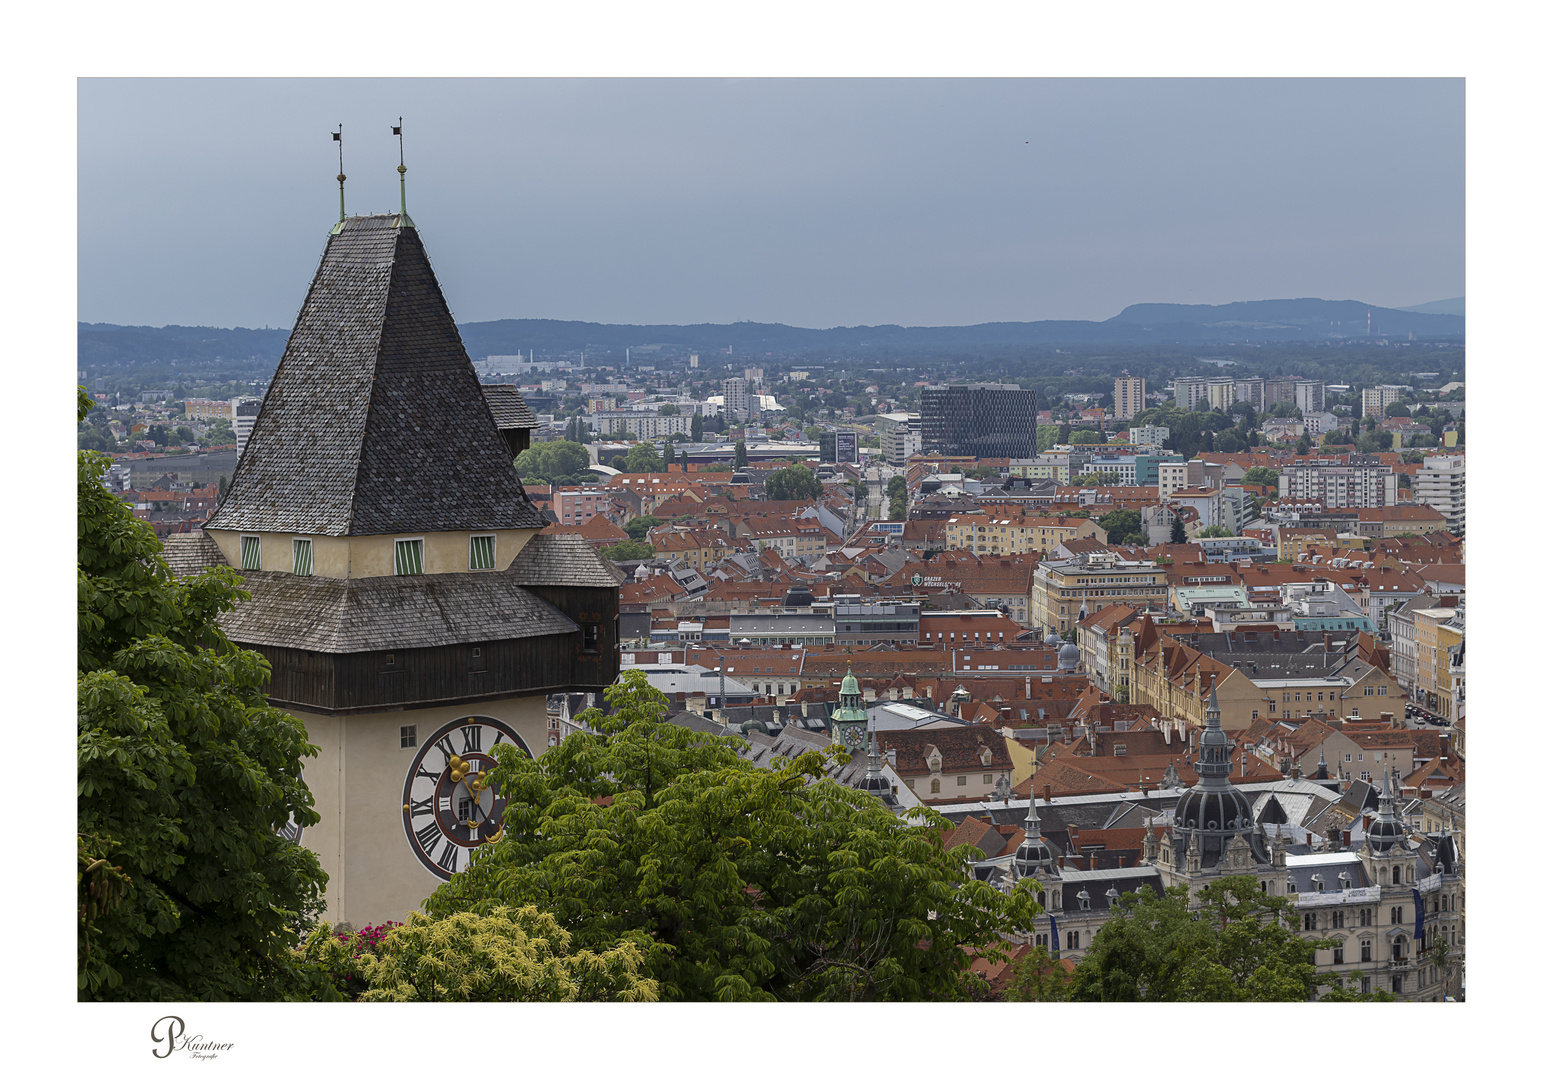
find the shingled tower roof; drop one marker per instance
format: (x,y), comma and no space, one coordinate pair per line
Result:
(375,422)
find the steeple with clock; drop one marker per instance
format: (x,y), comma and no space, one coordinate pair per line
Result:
(849,722)
(413,612)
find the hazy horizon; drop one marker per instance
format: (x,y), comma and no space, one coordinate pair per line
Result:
(813,203)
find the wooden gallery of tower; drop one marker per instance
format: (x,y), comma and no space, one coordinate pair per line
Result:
(412,612)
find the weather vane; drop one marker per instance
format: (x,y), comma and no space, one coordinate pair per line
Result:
(337,137)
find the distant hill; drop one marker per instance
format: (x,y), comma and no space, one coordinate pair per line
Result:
(102,345)
(1453,306)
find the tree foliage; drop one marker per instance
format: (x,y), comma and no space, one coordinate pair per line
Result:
(628,550)
(1211,531)
(184,775)
(1267,478)
(736,883)
(1101,478)
(556,462)
(638,527)
(504,955)
(1239,944)
(1122,526)
(741,454)
(794,483)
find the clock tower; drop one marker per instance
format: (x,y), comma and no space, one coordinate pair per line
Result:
(850,720)
(413,612)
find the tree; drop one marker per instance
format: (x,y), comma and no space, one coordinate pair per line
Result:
(1101,478)
(1213,531)
(1239,944)
(1398,408)
(1263,477)
(1231,442)
(669,453)
(1303,446)
(896,491)
(185,775)
(794,482)
(1045,436)
(1178,535)
(1122,526)
(643,458)
(219,432)
(669,409)
(628,551)
(638,527)
(96,437)
(1087,437)
(554,462)
(1037,976)
(736,883)
(696,427)
(741,455)
(504,955)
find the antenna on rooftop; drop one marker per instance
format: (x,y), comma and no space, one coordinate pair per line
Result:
(401,170)
(337,137)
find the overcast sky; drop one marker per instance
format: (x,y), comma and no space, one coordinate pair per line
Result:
(810,202)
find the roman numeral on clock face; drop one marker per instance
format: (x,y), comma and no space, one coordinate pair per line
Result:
(423,806)
(471,740)
(443,746)
(448,857)
(429,837)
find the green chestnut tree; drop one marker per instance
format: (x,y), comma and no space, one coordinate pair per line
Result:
(735,883)
(185,775)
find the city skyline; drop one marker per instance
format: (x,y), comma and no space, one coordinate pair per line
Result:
(809,202)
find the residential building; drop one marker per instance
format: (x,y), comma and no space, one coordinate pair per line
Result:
(1149,435)
(1250,390)
(205,409)
(640,425)
(736,398)
(1279,392)
(979,420)
(1130,396)
(1219,394)
(900,436)
(876,624)
(1175,475)
(1376,399)
(1441,484)
(947,764)
(1309,396)
(1190,393)
(244,414)
(982,533)
(574,506)
(1064,587)
(1364,481)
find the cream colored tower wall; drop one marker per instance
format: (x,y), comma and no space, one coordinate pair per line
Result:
(357,782)
(373,556)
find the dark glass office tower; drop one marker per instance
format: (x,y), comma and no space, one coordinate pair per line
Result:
(979,420)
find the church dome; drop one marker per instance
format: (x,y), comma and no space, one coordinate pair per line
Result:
(1214,810)
(1033,854)
(849,687)
(1385,835)
(1067,657)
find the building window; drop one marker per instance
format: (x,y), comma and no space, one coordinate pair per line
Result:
(1074,939)
(985,778)
(962,779)
(1366,952)
(1366,985)
(1398,984)
(251,553)
(1397,913)
(409,735)
(303,558)
(937,786)
(481,556)
(1310,921)
(1337,920)
(409,557)
(1339,954)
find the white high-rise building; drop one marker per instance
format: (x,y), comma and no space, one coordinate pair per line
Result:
(1189,393)
(244,415)
(736,398)
(1442,485)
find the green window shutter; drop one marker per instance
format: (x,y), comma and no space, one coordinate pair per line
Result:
(251,553)
(482,552)
(303,558)
(409,556)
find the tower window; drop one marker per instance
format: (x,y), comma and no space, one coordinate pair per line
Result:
(482,548)
(302,558)
(409,735)
(251,553)
(409,557)
(591,637)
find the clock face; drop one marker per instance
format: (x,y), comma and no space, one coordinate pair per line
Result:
(291,829)
(449,806)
